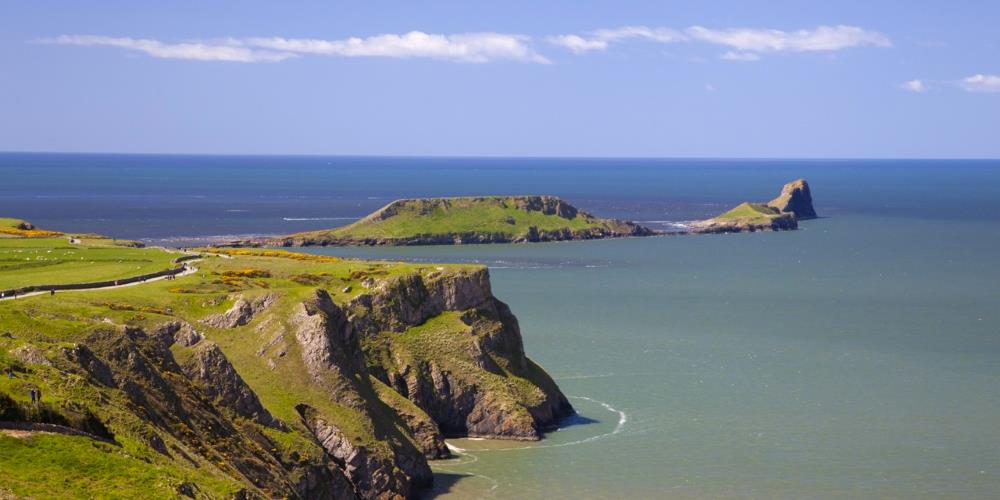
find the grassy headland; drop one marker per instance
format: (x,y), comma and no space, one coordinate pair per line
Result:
(225,380)
(484,219)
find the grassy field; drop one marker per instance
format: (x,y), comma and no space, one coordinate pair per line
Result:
(449,216)
(51,261)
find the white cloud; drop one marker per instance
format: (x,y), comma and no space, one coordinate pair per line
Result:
(468,47)
(740,56)
(914,86)
(602,38)
(981,83)
(823,38)
(577,43)
(196,51)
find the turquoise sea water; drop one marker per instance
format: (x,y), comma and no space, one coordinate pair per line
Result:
(856,358)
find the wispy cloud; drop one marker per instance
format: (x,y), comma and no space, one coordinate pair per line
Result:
(746,43)
(466,47)
(740,56)
(981,83)
(602,38)
(914,86)
(195,51)
(820,39)
(743,44)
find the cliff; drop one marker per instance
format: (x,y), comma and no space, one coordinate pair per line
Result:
(270,374)
(449,221)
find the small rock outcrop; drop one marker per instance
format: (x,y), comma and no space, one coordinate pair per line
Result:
(795,198)
(31,355)
(242,312)
(179,332)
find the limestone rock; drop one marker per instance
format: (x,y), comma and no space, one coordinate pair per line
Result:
(217,378)
(31,355)
(242,311)
(795,198)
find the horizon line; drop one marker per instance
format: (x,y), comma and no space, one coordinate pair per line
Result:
(499,156)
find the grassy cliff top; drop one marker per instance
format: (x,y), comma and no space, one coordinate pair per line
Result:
(502,217)
(755,213)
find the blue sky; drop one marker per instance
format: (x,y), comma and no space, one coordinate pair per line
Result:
(915,79)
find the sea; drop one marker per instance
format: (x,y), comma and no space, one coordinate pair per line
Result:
(858,357)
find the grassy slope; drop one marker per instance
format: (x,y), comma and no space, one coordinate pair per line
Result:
(51,323)
(465,215)
(46,261)
(57,466)
(753,213)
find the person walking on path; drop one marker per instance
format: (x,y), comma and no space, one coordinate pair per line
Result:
(31,394)
(38,395)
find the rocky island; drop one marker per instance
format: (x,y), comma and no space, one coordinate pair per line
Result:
(481,219)
(521,219)
(254,374)
(782,213)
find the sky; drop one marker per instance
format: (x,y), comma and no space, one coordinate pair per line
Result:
(573,78)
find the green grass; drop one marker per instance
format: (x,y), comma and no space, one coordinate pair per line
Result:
(750,213)
(7,222)
(51,261)
(56,466)
(450,216)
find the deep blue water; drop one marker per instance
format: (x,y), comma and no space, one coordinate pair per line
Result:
(155,197)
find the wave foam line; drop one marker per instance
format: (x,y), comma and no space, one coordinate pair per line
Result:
(619,427)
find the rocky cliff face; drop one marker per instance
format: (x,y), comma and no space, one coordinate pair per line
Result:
(795,198)
(466,374)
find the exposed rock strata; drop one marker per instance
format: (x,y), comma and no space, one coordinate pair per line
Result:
(210,369)
(332,355)
(795,198)
(241,313)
